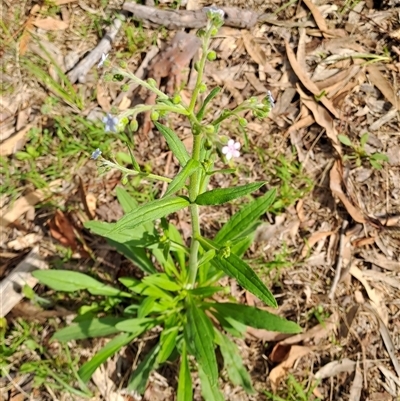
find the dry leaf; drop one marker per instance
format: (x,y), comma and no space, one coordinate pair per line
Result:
(375,296)
(26,36)
(253,48)
(377,78)
(62,230)
(91,202)
(15,142)
(310,85)
(333,368)
(280,371)
(102,98)
(27,241)
(313,239)
(319,19)
(50,24)
(336,188)
(322,118)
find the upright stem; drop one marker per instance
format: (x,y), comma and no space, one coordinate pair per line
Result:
(194,213)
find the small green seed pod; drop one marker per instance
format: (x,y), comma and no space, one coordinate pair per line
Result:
(176,99)
(211,56)
(134,125)
(155,115)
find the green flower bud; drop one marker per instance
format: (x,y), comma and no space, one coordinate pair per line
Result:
(152,82)
(155,115)
(176,99)
(201,33)
(124,180)
(203,87)
(225,252)
(211,56)
(209,129)
(208,144)
(123,64)
(214,31)
(108,77)
(117,77)
(197,66)
(242,122)
(134,125)
(124,88)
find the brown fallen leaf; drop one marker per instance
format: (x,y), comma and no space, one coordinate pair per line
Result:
(50,24)
(322,118)
(313,239)
(102,98)
(253,48)
(336,188)
(17,141)
(306,81)
(377,78)
(62,230)
(279,372)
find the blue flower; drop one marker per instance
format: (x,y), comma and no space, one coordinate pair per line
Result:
(213,11)
(111,123)
(96,154)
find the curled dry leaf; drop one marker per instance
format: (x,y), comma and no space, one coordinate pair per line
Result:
(16,141)
(336,188)
(62,230)
(279,372)
(310,85)
(333,368)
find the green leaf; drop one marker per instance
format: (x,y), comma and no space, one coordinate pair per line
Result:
(180,253)
(148,212)
(146,307)
(162,281)
(136,325)
(257,318)
(376,165)
(123,230)
(95,327)
(199,335)
(174,143)
(185,389)
(206,291)
(379,156)
(364,139)
(345,140)
(135,254)
(180,179)
(214,92)
(102,228)
(140,376)
(222,195)
(87,370)
(70,281)
(235,267)
(246,217)
(127,202)
(209,390)
(167,343)
(233,363)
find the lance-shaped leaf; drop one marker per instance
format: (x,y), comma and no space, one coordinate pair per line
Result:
(199,336)
(94,327)
(174,143)
(70,281)
(245,218)
(185,389)
(180,179)
(254,317)
(141,215)
(222,195)
(207,100)
(235,267)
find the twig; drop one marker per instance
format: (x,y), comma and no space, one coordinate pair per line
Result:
(177,19)
(338,270)
(78,73)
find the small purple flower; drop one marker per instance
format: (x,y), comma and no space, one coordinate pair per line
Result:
(231,150)
(111,123)
(271,99)
(103,59)
(213,11)
(96,154)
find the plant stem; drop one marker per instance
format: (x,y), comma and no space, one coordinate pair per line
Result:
(194,214)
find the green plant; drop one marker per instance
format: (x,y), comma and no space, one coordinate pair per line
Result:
(375,159)
(177,292)
(295,391)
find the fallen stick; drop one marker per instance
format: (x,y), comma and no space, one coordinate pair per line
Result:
(177,19)
(78,73)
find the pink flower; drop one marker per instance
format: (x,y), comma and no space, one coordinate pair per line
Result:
(231,150)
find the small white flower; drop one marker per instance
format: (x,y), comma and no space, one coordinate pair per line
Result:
(231,150)
(103,59)
(214,11)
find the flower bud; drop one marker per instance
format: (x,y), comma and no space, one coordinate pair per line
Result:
(203,87)
(176,99)
(152,82)
(124,180)
(155,115)
(123,64)
(134,125)
(108,77)
(208,144)
(209,129)
(242,122)
(124,88)
(117,77)
(211,56)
